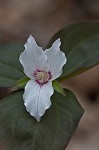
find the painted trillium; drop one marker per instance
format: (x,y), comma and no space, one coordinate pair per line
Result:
(42,67)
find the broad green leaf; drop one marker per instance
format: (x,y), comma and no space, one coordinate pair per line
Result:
(10,68)
(20,131)
(80,42)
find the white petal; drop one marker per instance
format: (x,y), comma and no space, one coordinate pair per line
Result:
(37,99)
(32,58)
(55,59)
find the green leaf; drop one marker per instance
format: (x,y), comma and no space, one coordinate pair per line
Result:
(58,88)
(10,68)
(20,131)
(80,43)
(20,84)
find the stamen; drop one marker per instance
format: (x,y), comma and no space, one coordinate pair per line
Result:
(42,76)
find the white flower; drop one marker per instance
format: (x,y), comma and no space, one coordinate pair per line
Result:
(42,67)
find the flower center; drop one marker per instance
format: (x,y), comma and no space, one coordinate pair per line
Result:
(42,76)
